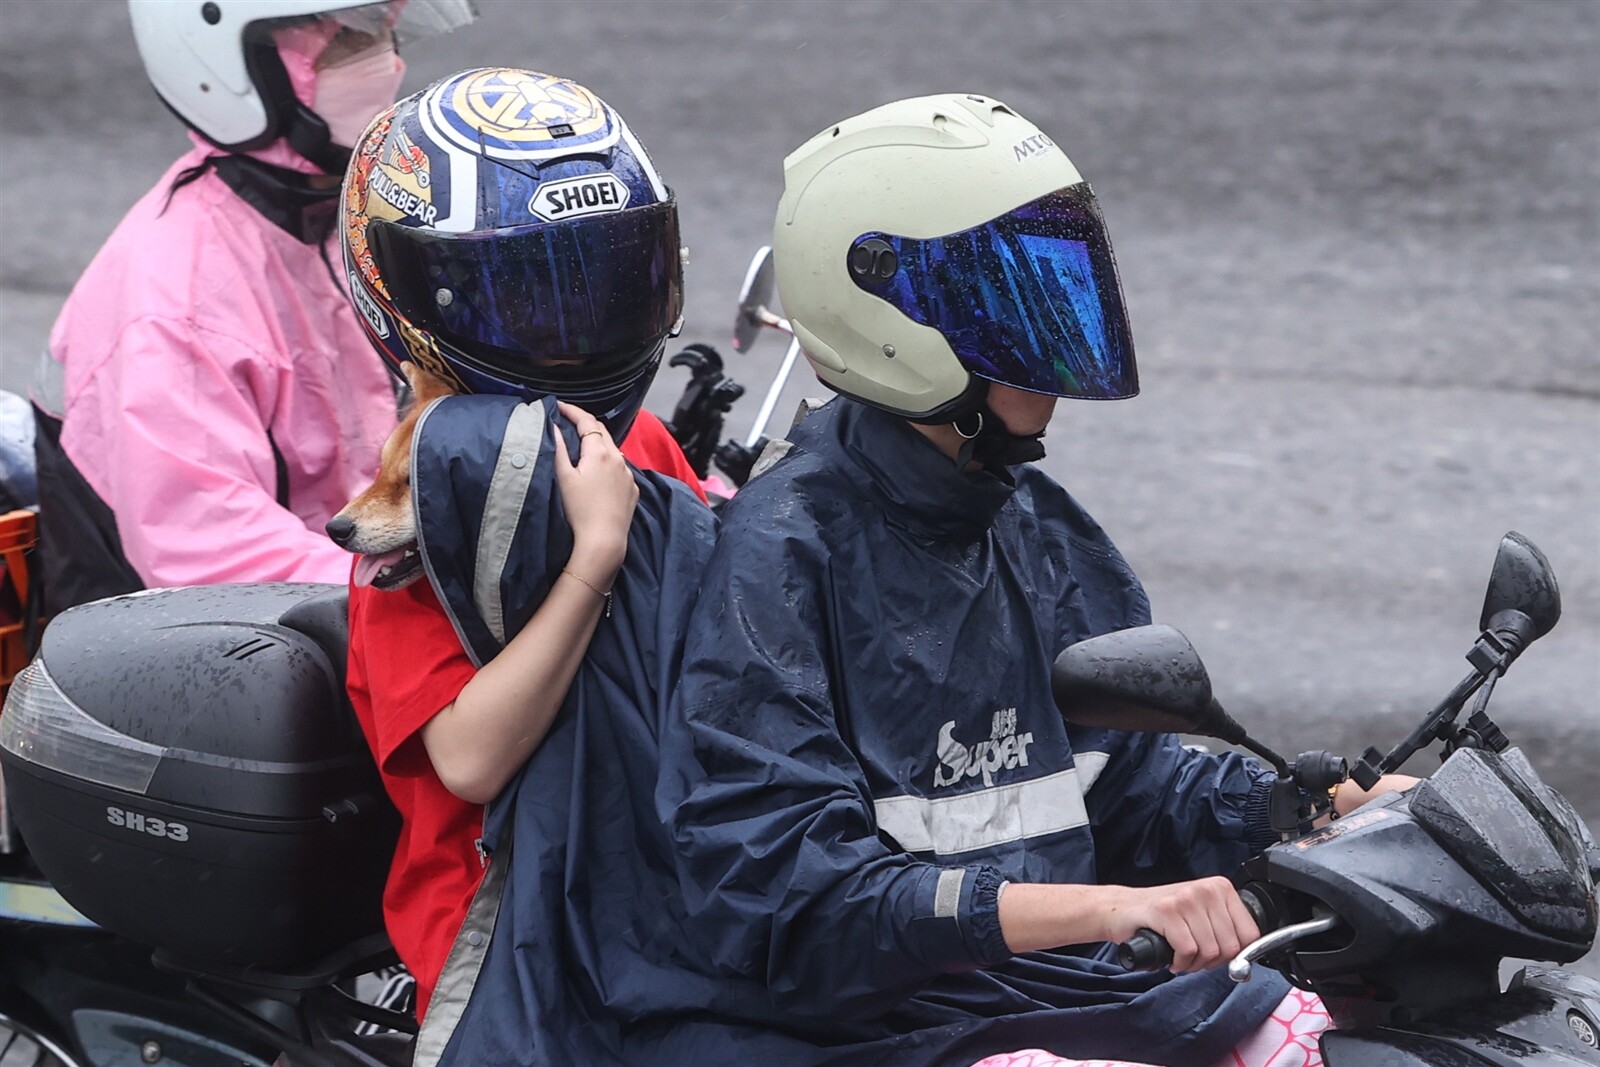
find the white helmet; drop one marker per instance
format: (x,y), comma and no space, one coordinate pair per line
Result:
(214,63)
(933,245)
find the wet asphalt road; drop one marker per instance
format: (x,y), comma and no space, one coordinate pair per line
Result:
(1359,243)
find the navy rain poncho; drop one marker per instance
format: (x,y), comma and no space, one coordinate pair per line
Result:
(797,862)
(866,746)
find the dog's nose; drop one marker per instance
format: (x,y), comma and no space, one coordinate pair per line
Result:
(341,529)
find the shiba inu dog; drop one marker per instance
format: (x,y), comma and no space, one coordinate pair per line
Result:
(380,525)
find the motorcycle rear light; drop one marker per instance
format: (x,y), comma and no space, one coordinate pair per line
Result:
(41,726)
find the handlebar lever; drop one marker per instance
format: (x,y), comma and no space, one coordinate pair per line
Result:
(1240,967)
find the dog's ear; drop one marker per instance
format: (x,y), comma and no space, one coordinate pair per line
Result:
(425,385)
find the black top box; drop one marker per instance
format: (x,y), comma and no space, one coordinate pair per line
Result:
(185,769)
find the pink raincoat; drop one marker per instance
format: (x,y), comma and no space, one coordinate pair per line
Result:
(198,331)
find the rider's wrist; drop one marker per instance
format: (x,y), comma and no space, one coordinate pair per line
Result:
(598,558)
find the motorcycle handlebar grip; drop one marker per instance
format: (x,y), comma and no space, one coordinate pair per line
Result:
(1146,950)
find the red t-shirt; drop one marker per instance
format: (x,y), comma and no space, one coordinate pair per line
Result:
(406,663)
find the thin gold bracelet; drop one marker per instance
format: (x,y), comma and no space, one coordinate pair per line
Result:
(603,594)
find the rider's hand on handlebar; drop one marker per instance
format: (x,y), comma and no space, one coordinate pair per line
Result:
(1204,920)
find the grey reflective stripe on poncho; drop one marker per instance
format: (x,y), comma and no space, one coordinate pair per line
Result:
(461,967)
(493,539)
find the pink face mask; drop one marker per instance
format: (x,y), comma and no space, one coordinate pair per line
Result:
(348,95)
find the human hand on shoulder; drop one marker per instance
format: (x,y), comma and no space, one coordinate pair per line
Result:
(598,494)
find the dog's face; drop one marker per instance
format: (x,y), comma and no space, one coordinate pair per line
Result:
(380,524)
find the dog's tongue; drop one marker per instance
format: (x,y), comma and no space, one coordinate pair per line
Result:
(369,567)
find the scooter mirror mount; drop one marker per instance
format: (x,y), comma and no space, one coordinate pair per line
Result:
(698,420)
(1521,605)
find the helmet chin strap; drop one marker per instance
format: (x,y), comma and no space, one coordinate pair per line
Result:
(985,440)
(288,117)
(308,135)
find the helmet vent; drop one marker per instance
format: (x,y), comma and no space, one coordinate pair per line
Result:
(940,121)
(835,131)
(1001,109)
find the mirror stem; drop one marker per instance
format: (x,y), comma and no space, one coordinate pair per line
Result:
(1279,764)
(1495,650)
(1219,724)
(1373,764)
(773,392)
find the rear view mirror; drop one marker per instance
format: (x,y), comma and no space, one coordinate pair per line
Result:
(1522,581)
(1147,678)
(754,296)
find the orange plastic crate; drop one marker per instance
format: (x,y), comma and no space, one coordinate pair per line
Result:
(19,532)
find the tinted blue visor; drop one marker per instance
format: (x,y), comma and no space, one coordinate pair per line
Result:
(559,305)
(1030,299)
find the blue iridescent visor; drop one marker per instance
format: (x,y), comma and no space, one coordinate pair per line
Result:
(1030,299)
(583,302)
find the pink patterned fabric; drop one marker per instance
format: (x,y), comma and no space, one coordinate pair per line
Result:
(298,47)
(1287,1039)
(1039,1058)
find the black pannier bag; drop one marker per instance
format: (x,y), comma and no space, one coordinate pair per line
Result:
(185,768)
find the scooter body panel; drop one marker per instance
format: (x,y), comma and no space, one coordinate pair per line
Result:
(98,998)
(1547,1018)
(1420,884)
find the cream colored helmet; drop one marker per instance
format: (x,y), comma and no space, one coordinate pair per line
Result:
(932,245)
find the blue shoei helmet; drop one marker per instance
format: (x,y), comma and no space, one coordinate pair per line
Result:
(505,230)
